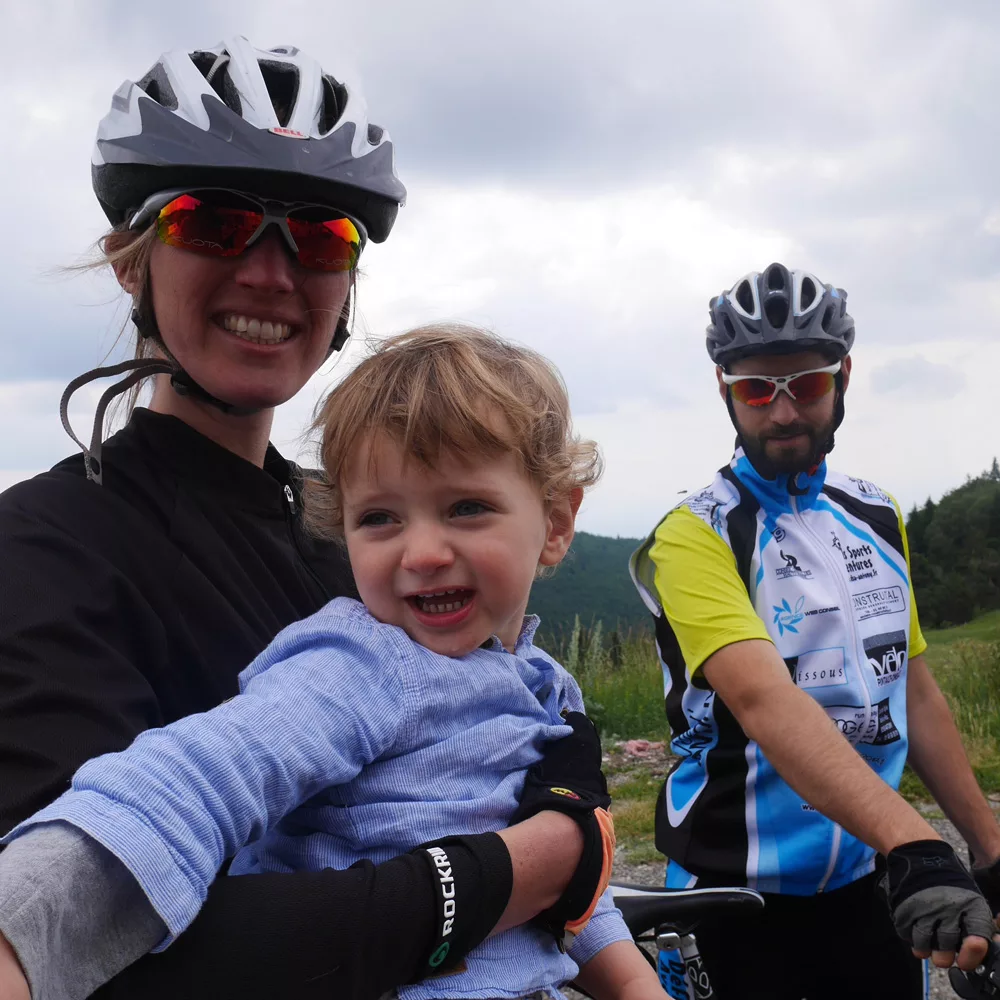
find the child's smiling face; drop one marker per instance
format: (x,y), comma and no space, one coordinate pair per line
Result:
(449,554)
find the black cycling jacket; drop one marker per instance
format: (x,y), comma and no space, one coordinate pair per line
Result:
(132,604)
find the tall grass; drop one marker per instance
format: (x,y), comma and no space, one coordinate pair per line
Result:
(621,680)
(968,672)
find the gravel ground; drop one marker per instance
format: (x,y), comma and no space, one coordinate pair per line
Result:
(652,874)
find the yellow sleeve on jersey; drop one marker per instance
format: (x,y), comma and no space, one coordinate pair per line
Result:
(917,641)
(700,588)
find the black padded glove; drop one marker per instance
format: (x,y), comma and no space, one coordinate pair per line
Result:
(933,899)
(569,780)
(988,880)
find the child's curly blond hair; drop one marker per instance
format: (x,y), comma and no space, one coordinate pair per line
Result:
(457,390)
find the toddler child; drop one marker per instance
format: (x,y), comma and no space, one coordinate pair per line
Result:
(453,477)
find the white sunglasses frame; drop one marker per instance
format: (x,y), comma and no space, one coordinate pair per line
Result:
(781,382)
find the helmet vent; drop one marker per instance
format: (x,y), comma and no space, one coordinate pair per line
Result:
(156,85)
(776,310)
(213,68)
(375,133)
(728,324)
(827,318)
(775,279)
(282,82)
(808,294)
(744,296)
(334,102)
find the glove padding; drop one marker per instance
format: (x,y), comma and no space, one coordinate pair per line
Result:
(988,881)
(933,899)
(568,779)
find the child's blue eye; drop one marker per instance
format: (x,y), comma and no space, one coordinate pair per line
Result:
(374,519)
(469,508)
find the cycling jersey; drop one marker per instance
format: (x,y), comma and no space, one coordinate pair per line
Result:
(817,564)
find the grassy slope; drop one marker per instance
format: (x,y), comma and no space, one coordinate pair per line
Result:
(965,660)
(985,628)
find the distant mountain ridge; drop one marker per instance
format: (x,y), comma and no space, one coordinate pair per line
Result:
(591,582)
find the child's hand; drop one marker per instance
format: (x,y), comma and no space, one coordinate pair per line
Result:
(620,972)
(13,985)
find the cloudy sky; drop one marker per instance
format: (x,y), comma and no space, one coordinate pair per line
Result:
(583,177)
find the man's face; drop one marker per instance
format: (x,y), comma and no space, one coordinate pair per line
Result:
(785,435)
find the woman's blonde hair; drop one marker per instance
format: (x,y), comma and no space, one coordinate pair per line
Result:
(450,390)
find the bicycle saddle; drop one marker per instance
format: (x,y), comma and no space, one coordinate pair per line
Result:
(645,907)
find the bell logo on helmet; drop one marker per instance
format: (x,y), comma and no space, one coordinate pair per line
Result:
(290,132)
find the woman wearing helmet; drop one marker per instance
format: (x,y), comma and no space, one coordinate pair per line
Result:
(242,186)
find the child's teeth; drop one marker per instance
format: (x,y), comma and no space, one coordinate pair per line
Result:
(430,605)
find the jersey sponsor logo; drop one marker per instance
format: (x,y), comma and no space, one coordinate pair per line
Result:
(869,489)
(858,559)
(707,506)
(779,534)
(859,726)
(791,570)
(696,740)
(786,617)
(886,654)
(873,603)
(818,668)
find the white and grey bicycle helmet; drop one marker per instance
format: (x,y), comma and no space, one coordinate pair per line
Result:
(778,311)
(269,122)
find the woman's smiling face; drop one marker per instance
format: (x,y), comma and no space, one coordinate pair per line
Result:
(250,329)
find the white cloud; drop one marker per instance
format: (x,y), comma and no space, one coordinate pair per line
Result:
(583,177)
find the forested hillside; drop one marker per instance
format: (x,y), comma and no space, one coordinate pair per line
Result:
(955,551)
(592,582)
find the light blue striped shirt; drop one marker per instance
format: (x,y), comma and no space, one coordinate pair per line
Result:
(348,741)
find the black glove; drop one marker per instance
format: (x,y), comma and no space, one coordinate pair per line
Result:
(933,899)
(568,779)
(988,880)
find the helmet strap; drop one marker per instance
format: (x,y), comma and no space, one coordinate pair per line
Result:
(138,368)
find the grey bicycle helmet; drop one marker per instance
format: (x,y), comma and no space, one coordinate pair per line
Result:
(778,311)
(270,122)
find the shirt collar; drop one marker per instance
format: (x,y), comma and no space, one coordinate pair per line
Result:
(525,638)
(192,456)
(805,487)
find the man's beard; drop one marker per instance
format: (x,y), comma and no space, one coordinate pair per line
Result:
(819,444)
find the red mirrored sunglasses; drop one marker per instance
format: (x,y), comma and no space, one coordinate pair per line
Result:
(218,222)
(803,387)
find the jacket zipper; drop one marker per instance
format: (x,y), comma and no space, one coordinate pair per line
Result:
(290,521)
(845,599)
